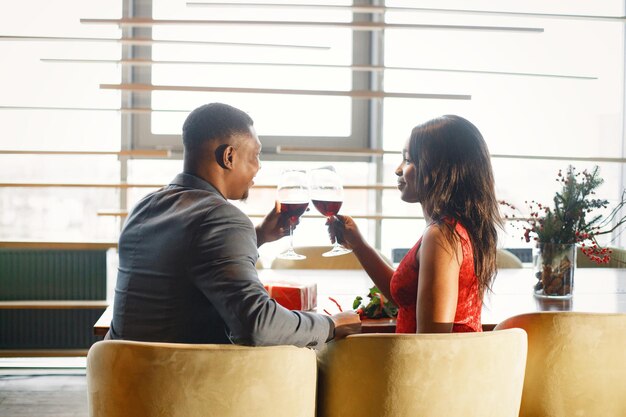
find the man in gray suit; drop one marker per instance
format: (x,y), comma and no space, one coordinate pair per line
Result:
(187,255)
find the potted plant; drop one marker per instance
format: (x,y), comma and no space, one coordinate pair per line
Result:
(575,219)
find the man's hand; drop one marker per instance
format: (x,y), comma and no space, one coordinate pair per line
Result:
(346,323)
(274,226)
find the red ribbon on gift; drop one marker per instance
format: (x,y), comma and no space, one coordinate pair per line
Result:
(293,296)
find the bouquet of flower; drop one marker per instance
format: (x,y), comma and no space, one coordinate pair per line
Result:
(378,306)
(575,218)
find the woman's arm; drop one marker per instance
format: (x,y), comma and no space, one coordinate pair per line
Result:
(438,285)
(346,232)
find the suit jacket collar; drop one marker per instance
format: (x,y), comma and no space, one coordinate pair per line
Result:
(191,181)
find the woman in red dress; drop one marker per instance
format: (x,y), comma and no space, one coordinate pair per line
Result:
(439,285)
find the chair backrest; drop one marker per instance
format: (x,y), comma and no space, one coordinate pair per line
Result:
(618,259)
(576,364)
(144,379)
(505,259)
(315,260)
(426,375)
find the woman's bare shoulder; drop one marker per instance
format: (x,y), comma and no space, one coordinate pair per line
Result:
(435,232)
(439,238)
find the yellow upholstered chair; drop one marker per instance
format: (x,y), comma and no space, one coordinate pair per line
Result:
(618,259)
(142,379)
(426,375)
(315,260)
(576,364)
(505,259)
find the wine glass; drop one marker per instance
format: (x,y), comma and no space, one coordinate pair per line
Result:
(293,195)
(327,197)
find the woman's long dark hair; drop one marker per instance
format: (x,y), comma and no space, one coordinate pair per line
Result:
(455,181)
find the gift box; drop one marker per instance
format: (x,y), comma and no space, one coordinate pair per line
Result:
(293,295)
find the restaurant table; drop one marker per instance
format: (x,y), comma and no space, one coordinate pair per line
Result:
(599,290)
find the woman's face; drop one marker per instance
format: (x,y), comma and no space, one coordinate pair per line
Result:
(407,177)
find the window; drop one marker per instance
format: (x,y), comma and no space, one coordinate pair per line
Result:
(550,95)
(35,115)
(270,59)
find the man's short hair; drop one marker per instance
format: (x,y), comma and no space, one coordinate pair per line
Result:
(214,121)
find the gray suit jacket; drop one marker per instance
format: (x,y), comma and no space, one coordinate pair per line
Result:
(187,274)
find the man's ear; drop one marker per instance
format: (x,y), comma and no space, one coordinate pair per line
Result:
(224,156)
(229,154)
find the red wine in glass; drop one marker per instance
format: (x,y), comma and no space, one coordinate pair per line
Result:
(327,208)
(327,197)
(293,209)
(293,195)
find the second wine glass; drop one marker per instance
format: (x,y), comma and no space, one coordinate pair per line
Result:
(327,197)
(293,195)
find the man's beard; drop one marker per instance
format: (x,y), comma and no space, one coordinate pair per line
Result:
(244,197)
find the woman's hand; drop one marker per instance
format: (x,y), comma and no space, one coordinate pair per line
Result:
(344,230)
(274,226)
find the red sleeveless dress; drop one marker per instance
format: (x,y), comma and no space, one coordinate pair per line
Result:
(403,287)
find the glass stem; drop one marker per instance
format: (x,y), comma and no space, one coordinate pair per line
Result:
(290,237)
(336,244)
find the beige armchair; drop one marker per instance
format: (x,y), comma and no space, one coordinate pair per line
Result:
(426,375)
(576,364)
(142,379)
(505,259)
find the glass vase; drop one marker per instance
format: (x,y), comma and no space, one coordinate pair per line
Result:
(554,265)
